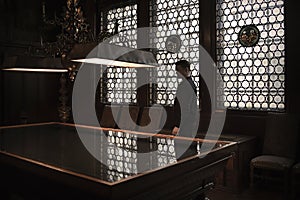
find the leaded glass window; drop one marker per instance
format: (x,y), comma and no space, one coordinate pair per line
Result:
(120,83)
(178,17)
(253,76)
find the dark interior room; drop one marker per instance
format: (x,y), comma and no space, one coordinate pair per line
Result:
(149,99)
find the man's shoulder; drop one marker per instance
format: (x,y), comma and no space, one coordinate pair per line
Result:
(191,81)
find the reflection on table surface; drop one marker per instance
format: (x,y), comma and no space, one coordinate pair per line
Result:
(123,153)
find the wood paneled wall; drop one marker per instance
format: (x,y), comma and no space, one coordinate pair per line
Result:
(30,97)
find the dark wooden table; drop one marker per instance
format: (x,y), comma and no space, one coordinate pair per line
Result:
(49,161)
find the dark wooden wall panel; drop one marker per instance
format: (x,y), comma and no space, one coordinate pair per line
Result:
(1,98)
(30,97)
(292,32)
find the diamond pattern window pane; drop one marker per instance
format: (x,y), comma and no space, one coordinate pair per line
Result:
(119,84)
(180,17)
(253,76)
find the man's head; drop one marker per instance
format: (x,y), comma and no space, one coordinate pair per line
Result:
(183,67)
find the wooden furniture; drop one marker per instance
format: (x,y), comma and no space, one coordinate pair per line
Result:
(152,119)
(279,151)
(49,161)
(295,182)
(128,117)
(235,176)
(109,116)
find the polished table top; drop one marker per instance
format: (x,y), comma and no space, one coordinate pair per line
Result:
(125,155)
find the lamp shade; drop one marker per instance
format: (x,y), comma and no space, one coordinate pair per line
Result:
(32,64)
(112,55)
